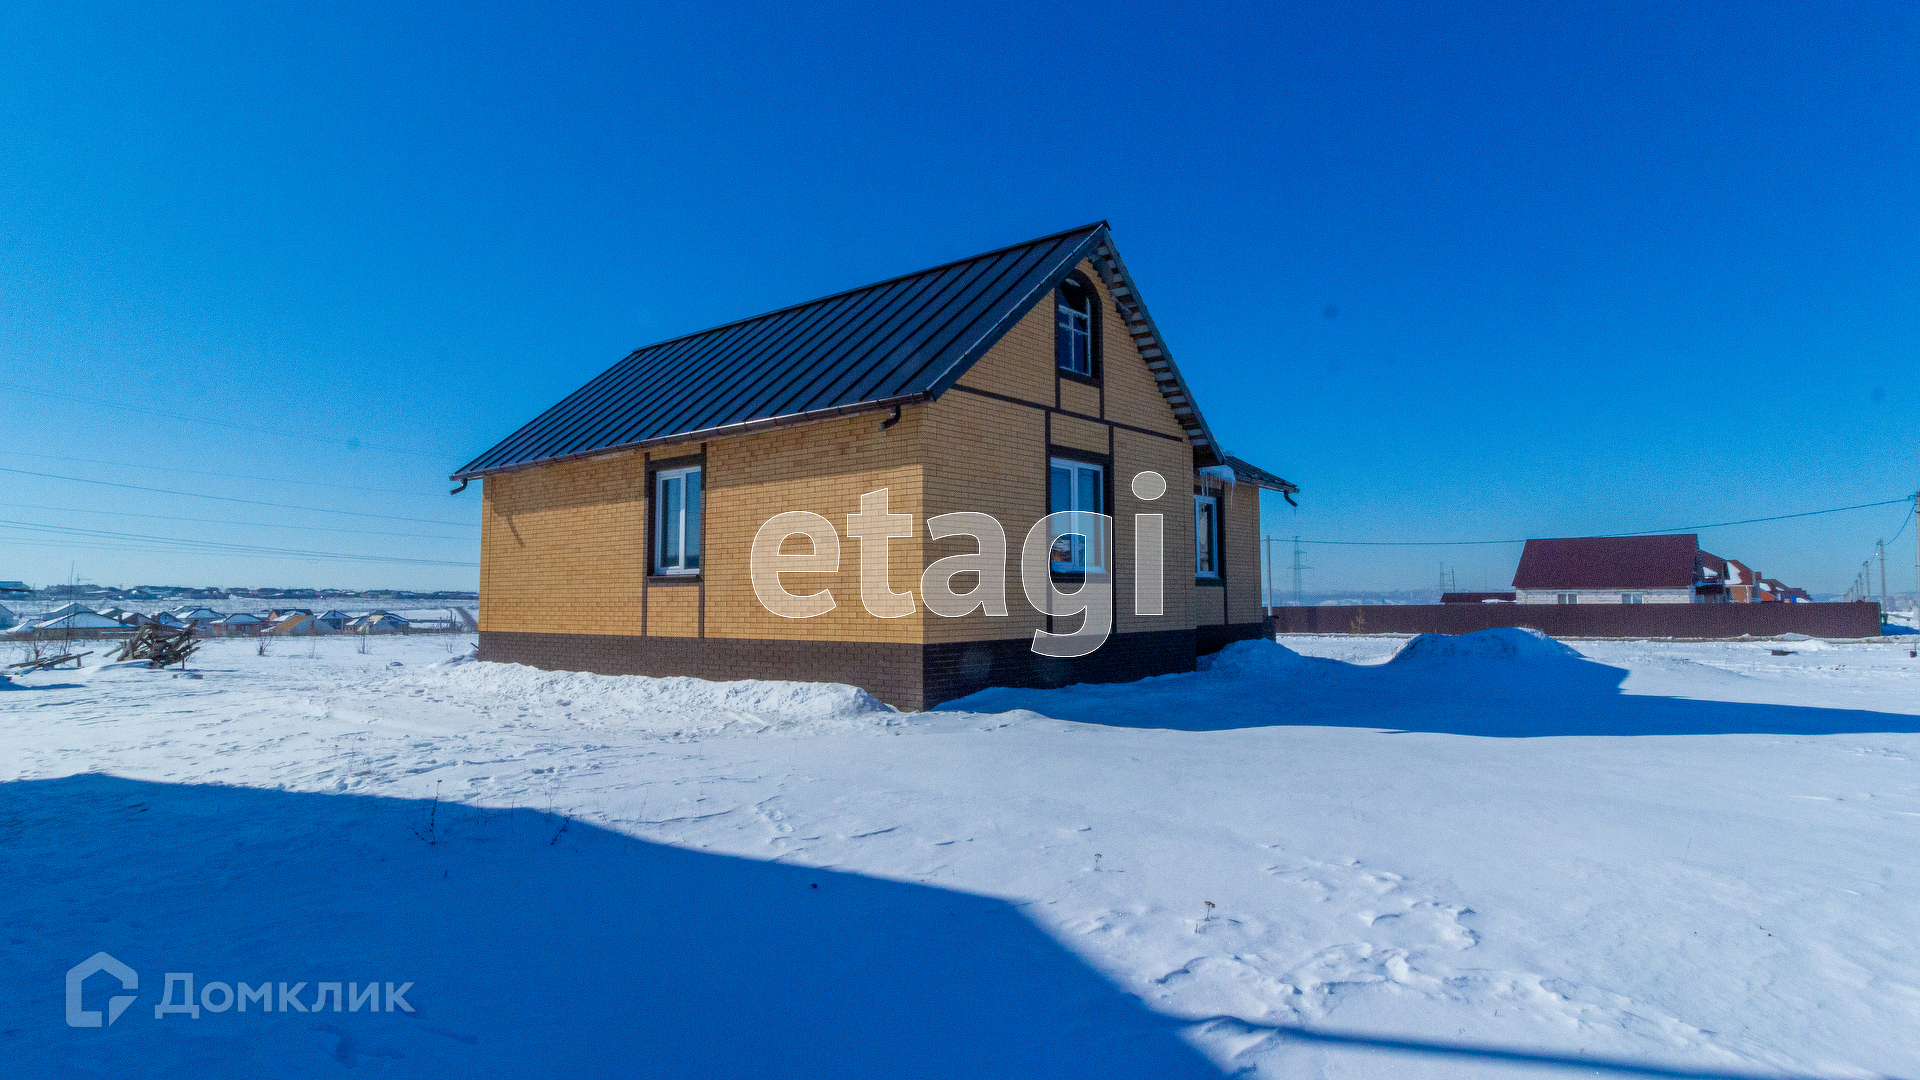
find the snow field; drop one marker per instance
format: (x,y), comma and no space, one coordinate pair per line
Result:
(1337,857)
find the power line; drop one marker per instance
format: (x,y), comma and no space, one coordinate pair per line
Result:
(229,476)
(215,423)
(247,524)
(1643,532)
(83,545)
(249,502)
(211,547)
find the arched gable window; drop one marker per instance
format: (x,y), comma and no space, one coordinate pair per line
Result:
(1073,326)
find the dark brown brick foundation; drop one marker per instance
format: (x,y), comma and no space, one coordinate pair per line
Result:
(904,676)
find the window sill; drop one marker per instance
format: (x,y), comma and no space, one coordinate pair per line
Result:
(673,579)
(1074,376)
(1074,577)
(1209,583)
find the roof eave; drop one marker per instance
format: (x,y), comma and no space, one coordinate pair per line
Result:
(1153,349)
(746,427)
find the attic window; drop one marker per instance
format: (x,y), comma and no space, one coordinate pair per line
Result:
(1073,328)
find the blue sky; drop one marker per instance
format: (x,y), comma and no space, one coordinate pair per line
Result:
(1461,271)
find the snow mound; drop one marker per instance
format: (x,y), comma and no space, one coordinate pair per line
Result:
(669,706)
(1260,657)
(1500,645)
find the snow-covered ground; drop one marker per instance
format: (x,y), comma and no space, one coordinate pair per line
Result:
(1336,857)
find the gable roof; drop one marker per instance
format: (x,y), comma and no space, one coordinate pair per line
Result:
(1609,562)
(897,342)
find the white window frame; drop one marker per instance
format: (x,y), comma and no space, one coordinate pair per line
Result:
(1081,535)
(1079,326)
(1567,598)
(1633,598)
(1213,546)
(661,525)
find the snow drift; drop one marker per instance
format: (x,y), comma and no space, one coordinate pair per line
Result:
(1503,645)
(670,706)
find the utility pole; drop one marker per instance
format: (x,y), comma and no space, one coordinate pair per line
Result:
(1883,577)
(1269,541)
(1299,597)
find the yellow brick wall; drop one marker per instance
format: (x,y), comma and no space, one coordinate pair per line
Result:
(1209,606)
(1080,434)
(990,456)
(1240,522)
(1134,453)
(562,547)
(1078,397)
(824,468)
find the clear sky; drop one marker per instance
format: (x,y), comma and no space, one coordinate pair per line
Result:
(1461,271)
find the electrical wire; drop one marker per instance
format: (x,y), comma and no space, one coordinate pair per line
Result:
(214,547)
(1643,532)
(217,521)
(82,545)
(215,423)
(249,502)
(229,476)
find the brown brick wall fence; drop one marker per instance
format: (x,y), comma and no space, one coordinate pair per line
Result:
(1700,621)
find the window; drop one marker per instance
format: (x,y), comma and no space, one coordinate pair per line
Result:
(1632,598)
(1079,489)
(1569,597)
(676,521)
(1073,328)
(1206,536)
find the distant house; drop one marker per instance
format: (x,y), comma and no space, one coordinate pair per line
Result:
(1736,580)
(1773,591)
(239,622)
(379,622)
(166,618)
(280,613)
(1668,569)
(14,588)
(291,625)
(7,618)
(1610,570)
(333,621)
(63,611)
(196,616)
(78,620)
(1476,598)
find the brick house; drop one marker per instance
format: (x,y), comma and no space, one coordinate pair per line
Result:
(619,526)
(1619,570)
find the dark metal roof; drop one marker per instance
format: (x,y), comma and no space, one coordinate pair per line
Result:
(1475,597)
(1609,562)
(896,342)
(1258,477)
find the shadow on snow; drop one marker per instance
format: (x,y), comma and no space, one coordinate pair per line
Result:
(1497,683)
(536,946)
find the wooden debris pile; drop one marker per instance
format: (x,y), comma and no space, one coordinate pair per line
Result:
(160,646)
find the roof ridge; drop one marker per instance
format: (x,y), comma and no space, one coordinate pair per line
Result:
(1102,223)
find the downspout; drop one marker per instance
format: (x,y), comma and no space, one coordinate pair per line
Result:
(461,488)
(891,420)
